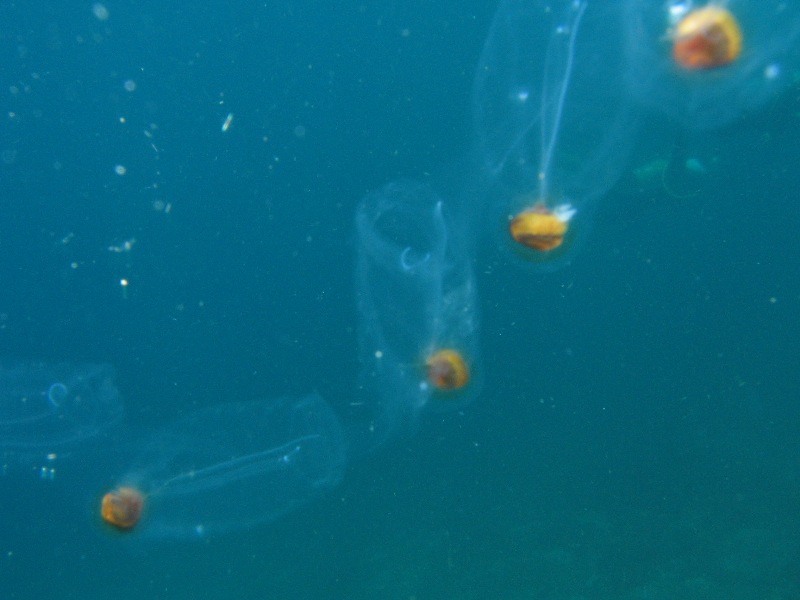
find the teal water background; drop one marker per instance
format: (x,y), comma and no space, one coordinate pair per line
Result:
(637,432)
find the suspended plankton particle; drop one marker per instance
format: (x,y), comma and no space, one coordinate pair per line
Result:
(696,166)
(226,124)
(100,11)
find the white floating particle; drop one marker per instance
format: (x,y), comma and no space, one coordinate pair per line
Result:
(227,123)
(100,11)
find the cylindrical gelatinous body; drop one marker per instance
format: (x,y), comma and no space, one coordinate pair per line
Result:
(416,296)
(227,467)
(553,122)
(51,412)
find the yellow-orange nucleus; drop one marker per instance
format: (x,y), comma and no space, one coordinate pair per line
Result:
(706,38)
(541,228)
(122,507)
(447,370)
